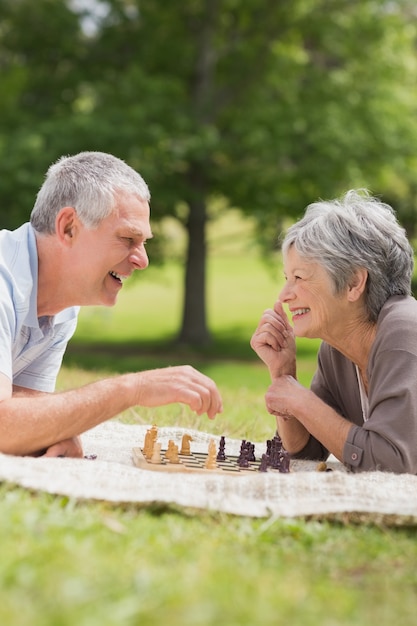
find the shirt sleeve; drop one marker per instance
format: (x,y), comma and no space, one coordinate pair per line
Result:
(7,332)
(387,441)
(40,371)
(33,364)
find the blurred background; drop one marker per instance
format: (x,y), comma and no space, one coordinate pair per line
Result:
(238,113)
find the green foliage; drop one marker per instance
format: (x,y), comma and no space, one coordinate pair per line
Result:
(269,105)
(258,104)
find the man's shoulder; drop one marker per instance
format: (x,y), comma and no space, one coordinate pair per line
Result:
(19,236)
(18,266)
(17,249)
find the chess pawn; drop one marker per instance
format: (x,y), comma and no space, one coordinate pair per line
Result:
(263,467)
(284,466)
(156,454)
(243,459)
(211,456)
(172,452)
(168,452)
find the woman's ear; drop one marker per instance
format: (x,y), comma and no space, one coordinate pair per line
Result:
(357,284)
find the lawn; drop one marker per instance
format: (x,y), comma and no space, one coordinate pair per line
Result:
(67,562)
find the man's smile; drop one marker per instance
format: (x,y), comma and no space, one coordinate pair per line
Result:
(117,277)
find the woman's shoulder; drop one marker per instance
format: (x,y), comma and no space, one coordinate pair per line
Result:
(397,324)
(400,309)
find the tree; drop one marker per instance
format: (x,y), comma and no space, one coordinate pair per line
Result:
(267,105)
(41,62)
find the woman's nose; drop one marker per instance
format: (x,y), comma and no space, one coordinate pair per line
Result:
(285,293)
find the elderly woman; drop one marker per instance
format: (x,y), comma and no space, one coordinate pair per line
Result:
(348,267)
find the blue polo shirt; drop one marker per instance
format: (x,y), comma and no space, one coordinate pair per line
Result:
(31,348)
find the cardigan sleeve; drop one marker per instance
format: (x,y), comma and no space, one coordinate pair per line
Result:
(387,441)
(332,367)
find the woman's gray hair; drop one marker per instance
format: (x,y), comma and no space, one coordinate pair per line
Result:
(356,231)
(89,182)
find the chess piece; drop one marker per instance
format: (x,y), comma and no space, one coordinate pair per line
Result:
(156,454)
(243,460)
(284,466)
(263,467)
(172,453)
(185,444)
(211,456)
(221,456)
(150,439)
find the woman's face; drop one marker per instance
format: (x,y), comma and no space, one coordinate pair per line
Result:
(315,310)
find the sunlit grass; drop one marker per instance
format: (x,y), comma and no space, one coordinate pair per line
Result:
(93,564)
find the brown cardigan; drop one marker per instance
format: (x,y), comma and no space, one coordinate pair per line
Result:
(388,439)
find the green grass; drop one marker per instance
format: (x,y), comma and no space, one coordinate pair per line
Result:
(67,562)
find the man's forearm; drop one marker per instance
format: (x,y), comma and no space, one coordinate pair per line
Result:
(33,421)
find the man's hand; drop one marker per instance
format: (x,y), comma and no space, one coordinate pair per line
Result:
(69,447)
(183,384)
(274,342)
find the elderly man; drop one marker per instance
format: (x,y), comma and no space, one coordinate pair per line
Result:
(87,234)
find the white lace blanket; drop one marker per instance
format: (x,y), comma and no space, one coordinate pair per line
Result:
(370,497)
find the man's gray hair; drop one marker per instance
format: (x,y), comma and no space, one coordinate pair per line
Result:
(356,231)
(89,182)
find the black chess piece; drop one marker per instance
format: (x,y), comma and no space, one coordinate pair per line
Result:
(221,455)
(263,467)
(243,459)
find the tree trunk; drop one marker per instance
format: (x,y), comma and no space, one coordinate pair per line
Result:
(194,331)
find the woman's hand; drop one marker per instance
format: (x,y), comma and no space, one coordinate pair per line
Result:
(274,342)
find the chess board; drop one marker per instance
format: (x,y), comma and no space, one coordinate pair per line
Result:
(194,462)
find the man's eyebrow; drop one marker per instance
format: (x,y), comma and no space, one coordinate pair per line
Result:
(138,234)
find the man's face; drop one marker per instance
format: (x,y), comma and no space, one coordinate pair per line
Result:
(103,257)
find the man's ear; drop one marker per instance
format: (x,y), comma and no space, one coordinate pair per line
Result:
(66,224)
(357,284)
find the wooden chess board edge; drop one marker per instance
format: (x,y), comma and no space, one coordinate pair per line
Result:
(141,462)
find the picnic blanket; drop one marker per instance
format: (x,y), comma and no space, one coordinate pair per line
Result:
(371,497)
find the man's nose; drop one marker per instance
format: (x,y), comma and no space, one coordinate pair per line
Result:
(139,258)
